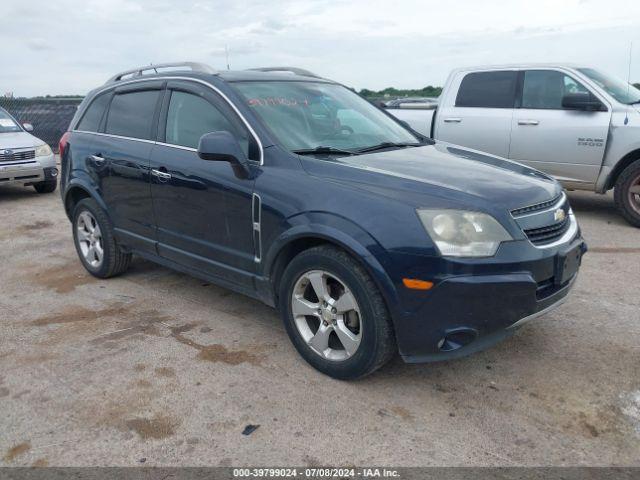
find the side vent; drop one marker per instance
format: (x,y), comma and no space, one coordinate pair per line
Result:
(257,219)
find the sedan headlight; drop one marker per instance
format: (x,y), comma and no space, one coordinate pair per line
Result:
(43,151)
(461,233)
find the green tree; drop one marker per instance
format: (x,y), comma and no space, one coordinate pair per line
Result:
(428,91)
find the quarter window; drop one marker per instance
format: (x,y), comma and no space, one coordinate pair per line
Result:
(93,115)
(488,90)
(131,114)
(544,89)
(190,117)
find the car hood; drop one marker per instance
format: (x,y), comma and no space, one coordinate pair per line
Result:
(18,140)
(436,169)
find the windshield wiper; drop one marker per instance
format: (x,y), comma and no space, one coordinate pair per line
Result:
(323,150)
(634,103)
(384,145)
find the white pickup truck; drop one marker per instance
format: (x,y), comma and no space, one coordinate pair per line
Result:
(574,123)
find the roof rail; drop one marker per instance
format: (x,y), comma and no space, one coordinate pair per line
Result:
(138,72)
(294,70)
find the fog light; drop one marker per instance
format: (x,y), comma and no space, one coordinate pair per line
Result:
(456,339)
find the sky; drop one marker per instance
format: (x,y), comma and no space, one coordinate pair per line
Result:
(61,47)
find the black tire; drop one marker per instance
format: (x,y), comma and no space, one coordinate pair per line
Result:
(377,345)
(628,207)
(48,186)
(114,260)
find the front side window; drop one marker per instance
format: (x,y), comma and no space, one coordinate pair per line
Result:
(488,90)
(131,114)
(190,117)
(308,115)
(544,89)
(621,91)
(93,116)
(7,123)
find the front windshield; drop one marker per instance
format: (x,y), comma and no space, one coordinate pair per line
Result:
(621,91)
(7,124)
(308,115)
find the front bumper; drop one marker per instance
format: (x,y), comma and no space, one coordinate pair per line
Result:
(476,304)
(27,172)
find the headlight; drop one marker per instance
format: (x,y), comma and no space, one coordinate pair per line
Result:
(43,150)
(460,233)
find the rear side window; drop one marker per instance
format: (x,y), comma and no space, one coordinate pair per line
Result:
(131,114)
(93,115)
(190,117)
(488,90)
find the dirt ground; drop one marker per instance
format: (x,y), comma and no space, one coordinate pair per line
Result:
(158,368)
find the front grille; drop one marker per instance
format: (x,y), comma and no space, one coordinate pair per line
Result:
(537,207)
(13,156)
(547,234)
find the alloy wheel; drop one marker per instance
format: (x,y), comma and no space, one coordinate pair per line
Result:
(634,194)
(326,315)
(90,239)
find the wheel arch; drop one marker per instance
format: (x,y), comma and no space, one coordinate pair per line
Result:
(308,235)
(77,191)
(624,162)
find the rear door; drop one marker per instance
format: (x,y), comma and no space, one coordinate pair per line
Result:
(123,151)
(203,208)
(479,115)
(567,144)
(83,138)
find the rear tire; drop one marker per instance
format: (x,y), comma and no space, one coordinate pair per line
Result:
(95,243)
(360,336)
(627,193)
(48,186)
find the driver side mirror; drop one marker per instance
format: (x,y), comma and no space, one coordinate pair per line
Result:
(582,101)
(28,127)
(221,146)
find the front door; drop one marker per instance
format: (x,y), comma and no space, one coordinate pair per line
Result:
(568,144)
(202,208)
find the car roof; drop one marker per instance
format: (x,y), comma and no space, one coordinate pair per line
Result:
(255,75)
(203,72)
(519,66)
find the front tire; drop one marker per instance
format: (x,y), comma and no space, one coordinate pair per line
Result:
(627,193)
(47,186)
(335,315)
(95,243)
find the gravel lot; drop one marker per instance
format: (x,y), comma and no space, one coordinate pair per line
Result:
(159,368)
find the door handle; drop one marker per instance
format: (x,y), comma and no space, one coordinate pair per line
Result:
(97,159)
(452,120)
(160,174)
(528,122)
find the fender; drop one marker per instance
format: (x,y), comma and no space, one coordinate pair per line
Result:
(82,181)
(342,232)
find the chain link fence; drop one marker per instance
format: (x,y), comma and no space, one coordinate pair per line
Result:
(50,116)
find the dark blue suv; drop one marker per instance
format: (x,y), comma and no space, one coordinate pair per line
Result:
(290,188)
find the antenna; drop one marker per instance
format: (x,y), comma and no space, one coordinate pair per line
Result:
(626,117)
(226,51)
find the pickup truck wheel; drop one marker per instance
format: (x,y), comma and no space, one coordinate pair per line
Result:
(95,243)
(335,315)
(627,193)
(46,187)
